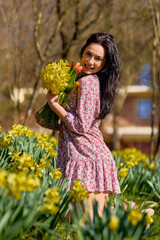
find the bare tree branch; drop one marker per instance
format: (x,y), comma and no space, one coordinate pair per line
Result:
(37,22)
(3,13)
(156,23)
(58,26)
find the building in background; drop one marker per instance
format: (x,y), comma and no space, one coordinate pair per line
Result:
(134,122)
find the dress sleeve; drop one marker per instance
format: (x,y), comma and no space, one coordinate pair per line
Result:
(81,120)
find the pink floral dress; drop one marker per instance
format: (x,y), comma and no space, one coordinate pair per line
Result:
(82,153)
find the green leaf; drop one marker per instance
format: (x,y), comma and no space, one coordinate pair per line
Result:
(66,102)
(4,220)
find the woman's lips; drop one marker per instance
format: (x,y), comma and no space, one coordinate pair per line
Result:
(89,68)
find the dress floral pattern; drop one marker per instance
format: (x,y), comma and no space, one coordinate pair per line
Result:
(82,153)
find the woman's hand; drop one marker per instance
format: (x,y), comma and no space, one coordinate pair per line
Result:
(55,106)
(51,99)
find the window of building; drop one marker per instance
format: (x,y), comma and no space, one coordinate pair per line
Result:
(144,108)
(145,75)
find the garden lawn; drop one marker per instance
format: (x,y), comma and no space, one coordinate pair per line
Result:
(155,235)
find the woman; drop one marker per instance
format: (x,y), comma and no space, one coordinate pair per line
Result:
(82,153)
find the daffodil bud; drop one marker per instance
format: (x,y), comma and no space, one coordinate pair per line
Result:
(113,223)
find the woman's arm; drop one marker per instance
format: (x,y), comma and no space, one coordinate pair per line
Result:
(87,109)
(55,106)
(88,106)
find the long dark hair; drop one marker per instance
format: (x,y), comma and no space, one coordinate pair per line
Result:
(109,75)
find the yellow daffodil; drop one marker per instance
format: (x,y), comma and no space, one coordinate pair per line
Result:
(26,160)
(53,141)
(15,193)
(44,163)
(39,170)
(15,131)
(123,172)
(16,183)
(37,135)
(45,143)
(50,206)
(113,223)
(78,192)
(5,141)
(130,164)
(52,153)
(12,179)
(32,182)
(56,173)
(151,166)
(3,178)
(119,165)
(51,200)
(148,219)
(26,131)
(14,155)
(52,193)
(135,216)
(22,181)
(19,130)
(46,136)
(128,239)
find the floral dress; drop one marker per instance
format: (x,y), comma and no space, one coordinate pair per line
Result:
(82,153)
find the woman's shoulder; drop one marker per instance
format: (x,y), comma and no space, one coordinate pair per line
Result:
(89,79)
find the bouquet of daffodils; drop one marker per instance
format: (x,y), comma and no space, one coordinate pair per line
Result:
(59,78)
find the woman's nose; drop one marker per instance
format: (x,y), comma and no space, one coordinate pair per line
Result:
(91,61)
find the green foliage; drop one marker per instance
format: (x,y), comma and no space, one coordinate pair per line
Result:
(24,154)
(155,185)
(142,177)
(117,223)
(19,215)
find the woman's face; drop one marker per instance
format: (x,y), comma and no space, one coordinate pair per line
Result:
(93,58)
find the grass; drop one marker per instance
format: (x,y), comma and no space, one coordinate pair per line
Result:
(63,231)
(155,235)
(141,200)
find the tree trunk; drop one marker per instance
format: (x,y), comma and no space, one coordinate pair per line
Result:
(115,141)
(33,97)
(154,6)
(157,149)
(153,100)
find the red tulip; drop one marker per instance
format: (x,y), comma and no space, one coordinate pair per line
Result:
(76,84)
(70,63)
